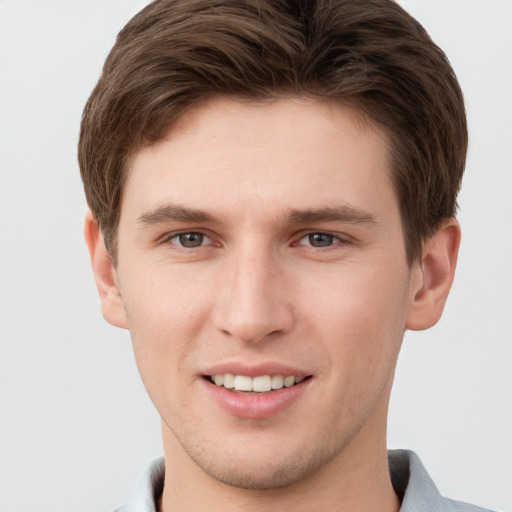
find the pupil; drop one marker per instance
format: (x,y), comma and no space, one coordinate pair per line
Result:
(320,239)
(191,239)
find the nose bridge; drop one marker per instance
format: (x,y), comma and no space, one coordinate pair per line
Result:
(252,301)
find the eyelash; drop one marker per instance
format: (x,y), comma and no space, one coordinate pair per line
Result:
(169,239)
(335,240)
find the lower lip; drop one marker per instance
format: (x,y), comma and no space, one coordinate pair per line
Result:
(255,406)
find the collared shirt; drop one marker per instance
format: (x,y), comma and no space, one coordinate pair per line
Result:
(410,480)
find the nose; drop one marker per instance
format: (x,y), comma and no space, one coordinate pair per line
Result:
(253,302)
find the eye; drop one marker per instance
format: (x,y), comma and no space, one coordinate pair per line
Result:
(319,240)
(190,240)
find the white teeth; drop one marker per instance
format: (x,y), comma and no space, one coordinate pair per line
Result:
(289,381)
(277,381)
(260,384)
(229,380)
(243,383)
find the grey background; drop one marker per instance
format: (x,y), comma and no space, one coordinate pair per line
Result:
(76,427)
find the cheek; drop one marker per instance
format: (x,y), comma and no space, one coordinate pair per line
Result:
(165,300)
(166,312)
(359,314)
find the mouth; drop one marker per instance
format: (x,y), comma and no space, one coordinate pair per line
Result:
(258,385)
(256,393)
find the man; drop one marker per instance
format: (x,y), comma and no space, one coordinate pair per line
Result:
(273,190)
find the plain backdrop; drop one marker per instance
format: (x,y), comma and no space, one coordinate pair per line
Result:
(76,427)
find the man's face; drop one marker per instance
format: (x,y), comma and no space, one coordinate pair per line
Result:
(264,241)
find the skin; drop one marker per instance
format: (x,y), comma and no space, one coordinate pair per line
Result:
(259,289)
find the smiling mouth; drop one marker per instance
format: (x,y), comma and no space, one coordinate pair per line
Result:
(254,385)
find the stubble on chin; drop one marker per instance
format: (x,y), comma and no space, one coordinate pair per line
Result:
(263,473)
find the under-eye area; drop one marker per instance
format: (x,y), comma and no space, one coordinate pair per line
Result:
(259,384)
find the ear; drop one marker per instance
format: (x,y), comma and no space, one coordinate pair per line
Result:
(432,277)
(104,274)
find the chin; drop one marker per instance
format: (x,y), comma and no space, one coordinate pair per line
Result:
(259,472)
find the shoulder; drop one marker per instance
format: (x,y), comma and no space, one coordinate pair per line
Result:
(459,506)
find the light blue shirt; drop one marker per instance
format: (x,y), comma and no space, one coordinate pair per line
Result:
(410,480)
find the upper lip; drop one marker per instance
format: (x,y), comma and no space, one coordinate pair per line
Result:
(255,370)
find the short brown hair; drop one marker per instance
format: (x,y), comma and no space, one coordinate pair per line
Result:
(176,53)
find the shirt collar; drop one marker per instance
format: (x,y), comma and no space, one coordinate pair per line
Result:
(148,489)
(411,482)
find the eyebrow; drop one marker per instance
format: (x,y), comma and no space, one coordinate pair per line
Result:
(169,213)
(345,214)
(176,213)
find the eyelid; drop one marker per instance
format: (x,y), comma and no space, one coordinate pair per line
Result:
(169,237)
(340,238)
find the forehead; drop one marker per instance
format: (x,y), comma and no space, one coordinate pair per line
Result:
(267,156)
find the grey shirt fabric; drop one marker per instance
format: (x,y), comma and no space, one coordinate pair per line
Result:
(411,482)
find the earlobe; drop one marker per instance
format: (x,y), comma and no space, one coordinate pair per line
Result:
(104,274)
(433,277)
